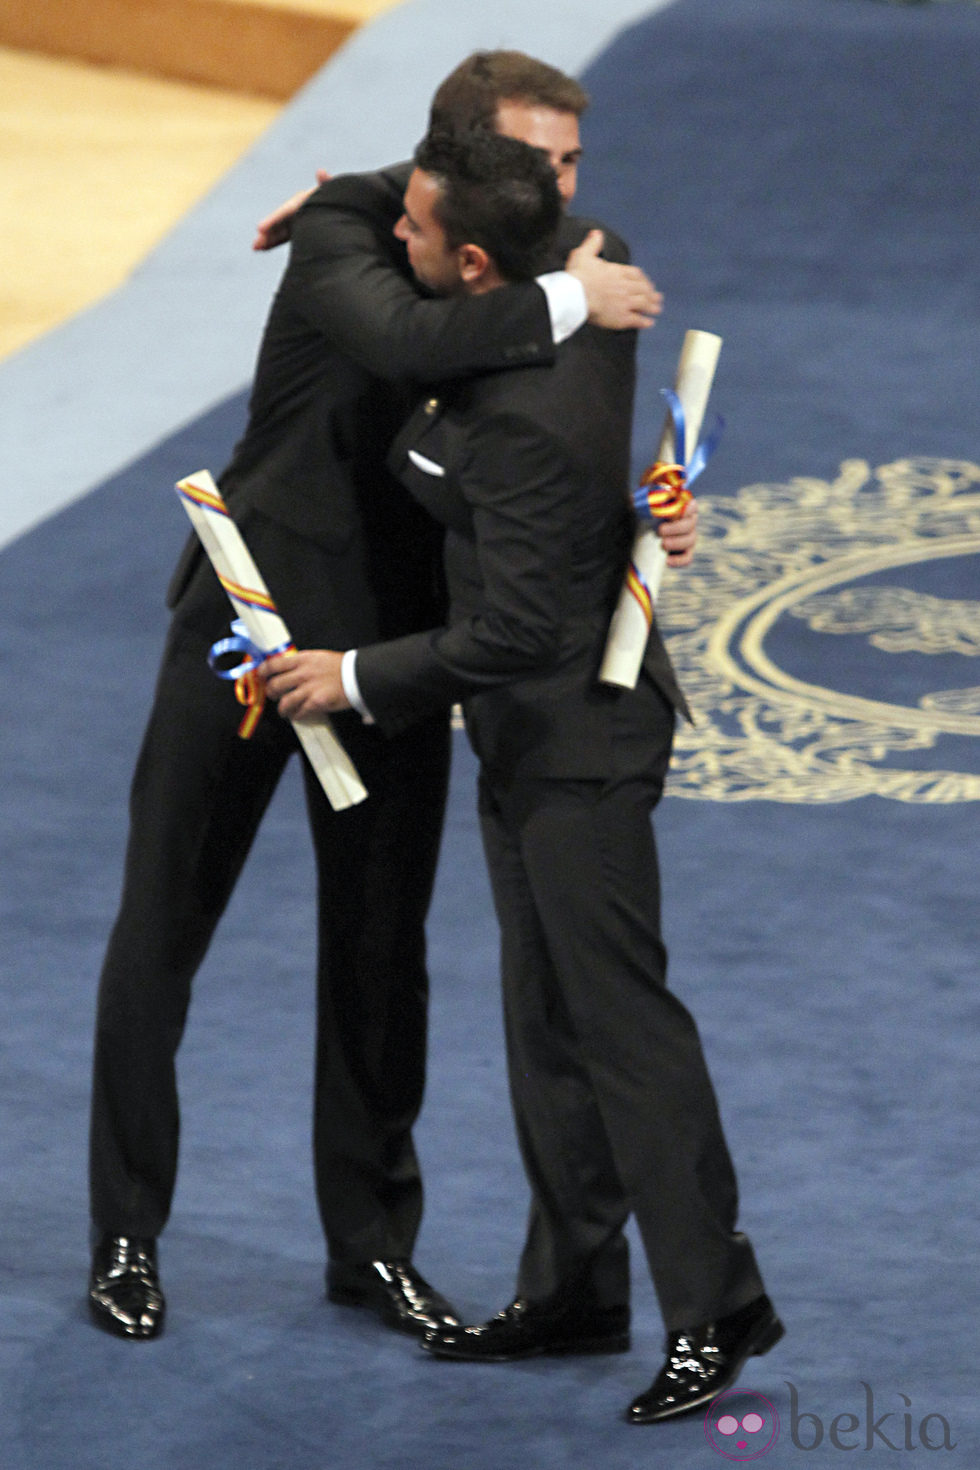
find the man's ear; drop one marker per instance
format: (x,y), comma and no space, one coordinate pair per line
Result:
(474,264)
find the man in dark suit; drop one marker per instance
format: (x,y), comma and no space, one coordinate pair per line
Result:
(349,558)
(614,1107)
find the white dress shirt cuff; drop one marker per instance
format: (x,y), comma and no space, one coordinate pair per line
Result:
(567,305)
(348,677)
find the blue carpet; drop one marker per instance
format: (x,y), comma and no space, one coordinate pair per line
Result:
(799,175)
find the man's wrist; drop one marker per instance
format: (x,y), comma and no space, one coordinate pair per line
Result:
(348,677)
(567,304)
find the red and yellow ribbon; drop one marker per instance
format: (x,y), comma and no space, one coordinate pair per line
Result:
(667,496)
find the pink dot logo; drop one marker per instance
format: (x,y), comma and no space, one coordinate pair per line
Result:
(741,1425)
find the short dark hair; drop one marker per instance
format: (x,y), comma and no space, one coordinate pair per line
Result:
(494,192)
(470,95)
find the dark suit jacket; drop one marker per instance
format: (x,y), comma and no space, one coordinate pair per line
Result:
(307,482)
(528,471)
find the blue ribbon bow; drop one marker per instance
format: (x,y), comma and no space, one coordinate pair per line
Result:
(699,458)
(240,643)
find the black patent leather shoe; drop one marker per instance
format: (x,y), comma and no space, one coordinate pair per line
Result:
(124,1293)
(703,1361)
(526,1330)
(394,1291)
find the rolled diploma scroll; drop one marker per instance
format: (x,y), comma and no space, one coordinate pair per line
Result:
(233,563)
(631,622)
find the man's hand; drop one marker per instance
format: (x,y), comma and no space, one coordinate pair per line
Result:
(277,227)
(680,537)
(618,296)
(307,684)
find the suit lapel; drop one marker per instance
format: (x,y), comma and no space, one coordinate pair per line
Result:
(424,457)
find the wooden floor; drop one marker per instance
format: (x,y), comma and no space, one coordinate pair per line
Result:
(96,165)
(98,162)
(267,47)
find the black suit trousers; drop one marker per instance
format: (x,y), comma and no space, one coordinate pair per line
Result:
(614,1107)
(198,796)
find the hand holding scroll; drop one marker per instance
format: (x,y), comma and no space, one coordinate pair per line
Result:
(264,628)
(664,487)
(679,537)
(307,685)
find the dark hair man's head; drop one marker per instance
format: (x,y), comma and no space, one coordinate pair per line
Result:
(471,93)
(521,97)
(480,210)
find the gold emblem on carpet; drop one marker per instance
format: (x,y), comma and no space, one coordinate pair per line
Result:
(862,561)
